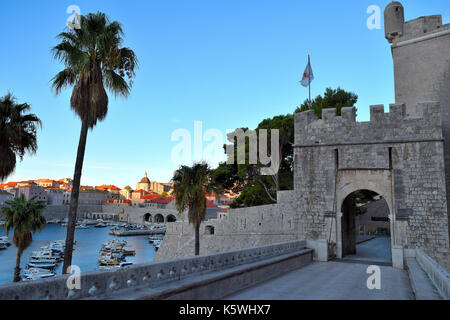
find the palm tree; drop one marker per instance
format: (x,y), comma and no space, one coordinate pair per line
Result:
(17,133)
(190,187)
(25,218)
(93,59)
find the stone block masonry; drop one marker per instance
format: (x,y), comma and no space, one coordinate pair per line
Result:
(61,211)
(403,155)
(397,156)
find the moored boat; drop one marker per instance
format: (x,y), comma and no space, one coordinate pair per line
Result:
(100,225)
(37,273)
(5,241)
(43,264)
(115,267)
(128,251)
(46,254)
(108,261)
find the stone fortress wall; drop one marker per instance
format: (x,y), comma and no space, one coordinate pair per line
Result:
(420,51)
(140,215)
(398,156)
(61,212)
(239,229)
(403,155)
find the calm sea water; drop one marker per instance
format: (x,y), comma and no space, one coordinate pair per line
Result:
(89,242)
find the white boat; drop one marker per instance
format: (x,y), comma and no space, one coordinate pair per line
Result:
(100,225)
(45,254)
(157,243)
(81,226)
(56,250)
(59,243)
(43,264)
(37,273)
(5,240)
(155,238)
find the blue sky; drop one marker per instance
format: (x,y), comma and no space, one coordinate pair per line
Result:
(227,63)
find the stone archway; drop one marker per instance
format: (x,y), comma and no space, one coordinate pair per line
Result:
(147,217)
(159,218)
(349,181)
(365,227)
(171,218)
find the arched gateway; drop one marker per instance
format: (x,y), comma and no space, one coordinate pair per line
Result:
(398,157)
(349,182)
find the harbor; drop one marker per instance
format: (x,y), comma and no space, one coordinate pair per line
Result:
(95,249)
(123,232)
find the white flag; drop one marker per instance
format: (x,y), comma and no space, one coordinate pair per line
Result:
(308,76)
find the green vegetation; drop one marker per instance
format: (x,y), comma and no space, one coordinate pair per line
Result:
(332,98)
(25,218)
(190,187)
(257,189)
(17,133)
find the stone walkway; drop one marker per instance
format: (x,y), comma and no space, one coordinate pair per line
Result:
(376,250)
(338,280)
(331,281)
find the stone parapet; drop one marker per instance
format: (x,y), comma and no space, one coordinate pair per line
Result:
(100,284)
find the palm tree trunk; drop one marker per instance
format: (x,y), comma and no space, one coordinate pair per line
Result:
(197,239)
(17,268)
(74,197)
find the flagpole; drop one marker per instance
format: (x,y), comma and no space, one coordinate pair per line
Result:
(309,81)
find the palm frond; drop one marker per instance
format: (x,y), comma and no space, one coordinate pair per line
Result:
(116,84)
(63,79)
(18,133)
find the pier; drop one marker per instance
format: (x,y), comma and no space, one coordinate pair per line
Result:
(126,233)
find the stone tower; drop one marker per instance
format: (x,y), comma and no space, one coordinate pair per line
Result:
(421,54)
(394,18)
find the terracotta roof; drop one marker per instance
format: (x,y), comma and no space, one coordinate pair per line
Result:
(45,180)
(107,187)
(210,205)
(9,184)
(162,200)
(211,194)
(151,196)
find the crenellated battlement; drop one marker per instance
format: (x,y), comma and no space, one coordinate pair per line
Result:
(394,124)
(422,26)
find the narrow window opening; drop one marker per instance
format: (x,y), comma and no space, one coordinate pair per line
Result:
(390,157)
(336,158)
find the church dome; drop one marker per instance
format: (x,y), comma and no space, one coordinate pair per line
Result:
(145,179)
